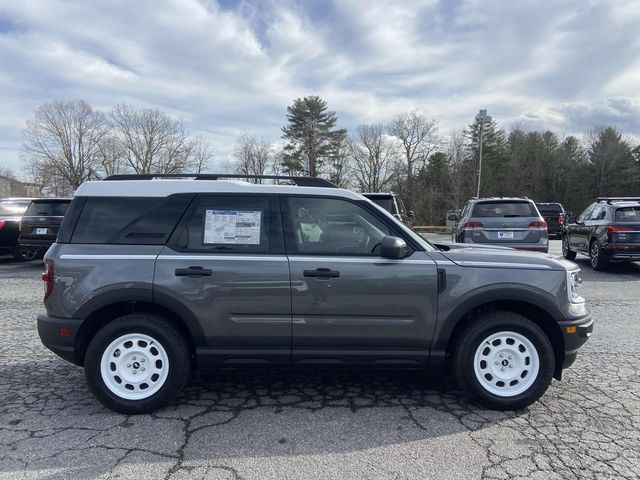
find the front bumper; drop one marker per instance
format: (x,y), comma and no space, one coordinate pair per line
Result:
(575,332)
(59,335)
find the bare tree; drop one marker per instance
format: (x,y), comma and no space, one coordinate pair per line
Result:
(61,143)
(153,142)
(372,155)
(460,176)
(418,137)
(252,155)
(110,155)
(198,150)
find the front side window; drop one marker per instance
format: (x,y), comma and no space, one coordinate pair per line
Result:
(587,213)
(328,226)
(231,224)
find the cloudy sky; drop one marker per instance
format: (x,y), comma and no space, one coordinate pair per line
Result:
(226,66)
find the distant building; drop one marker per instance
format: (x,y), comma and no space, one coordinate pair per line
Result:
(10,187)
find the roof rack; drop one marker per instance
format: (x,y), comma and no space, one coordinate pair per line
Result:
(610,200)
(299,181)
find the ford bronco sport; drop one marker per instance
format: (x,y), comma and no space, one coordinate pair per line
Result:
(152,278)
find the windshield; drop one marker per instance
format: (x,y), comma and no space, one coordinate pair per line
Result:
(550,208)
(628,214)
(504,209)
(13,209)
(47,209)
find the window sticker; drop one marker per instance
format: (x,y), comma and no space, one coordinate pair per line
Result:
(232,227)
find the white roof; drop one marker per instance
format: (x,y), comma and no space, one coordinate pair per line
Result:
(166,187)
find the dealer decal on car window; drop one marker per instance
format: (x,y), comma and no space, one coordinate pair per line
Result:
(232,227)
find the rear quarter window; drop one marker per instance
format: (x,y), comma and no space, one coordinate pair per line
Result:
(129,220)
(504,209)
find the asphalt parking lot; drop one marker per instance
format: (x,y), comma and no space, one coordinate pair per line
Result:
(324,424)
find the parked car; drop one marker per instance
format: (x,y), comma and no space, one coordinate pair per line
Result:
(393,204)
(509,222)
(11,210)
(151,279)
(554,214)
(40,224)
(608,231)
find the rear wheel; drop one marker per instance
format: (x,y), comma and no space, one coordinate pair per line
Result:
(598,260)
(25,254)
(137,363)
(504,360)
(566,251)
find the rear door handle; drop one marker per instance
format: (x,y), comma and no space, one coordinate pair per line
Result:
(195,271)
(321,273)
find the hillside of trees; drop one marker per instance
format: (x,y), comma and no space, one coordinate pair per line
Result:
(68,142)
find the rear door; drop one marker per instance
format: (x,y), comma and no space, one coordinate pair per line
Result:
(505,221)
(225,263)
(349,305)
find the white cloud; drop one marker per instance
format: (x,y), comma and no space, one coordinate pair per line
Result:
(230,67)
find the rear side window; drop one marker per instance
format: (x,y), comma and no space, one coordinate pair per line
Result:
(628,214)
(47,209)
(504,209)
(231,224)
(129,220)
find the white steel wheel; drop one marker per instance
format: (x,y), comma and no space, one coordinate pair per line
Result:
(134,366)
(506,364)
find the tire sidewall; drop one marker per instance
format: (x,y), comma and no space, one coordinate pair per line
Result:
(499,322)
(163,332)
(569,254)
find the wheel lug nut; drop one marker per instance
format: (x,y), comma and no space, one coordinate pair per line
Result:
(135,371)
(502,370)
(142,369)
(133,358)
(128,365)
(501,356)
(142,359)
(497,363)
(510,357)
(510,366)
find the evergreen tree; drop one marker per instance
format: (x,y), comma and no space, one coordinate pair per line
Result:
(495,157)
(312,141)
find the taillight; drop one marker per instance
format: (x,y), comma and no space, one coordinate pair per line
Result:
(47,277)
(561,219)
(614,229)
(472,225)
(1,223)
(538,224)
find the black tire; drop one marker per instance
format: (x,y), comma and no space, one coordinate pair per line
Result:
(24,254)
(598,261)
(483,327)
(566,250)
(166,335)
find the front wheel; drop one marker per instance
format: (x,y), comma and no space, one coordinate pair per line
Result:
(504,360)
(137,363)
(566,251)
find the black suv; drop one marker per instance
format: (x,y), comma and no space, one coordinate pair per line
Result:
(608,231)
(554,214)
(11,211)
(40,224)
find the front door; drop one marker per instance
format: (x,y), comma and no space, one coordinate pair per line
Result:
(225,265)
(350,305)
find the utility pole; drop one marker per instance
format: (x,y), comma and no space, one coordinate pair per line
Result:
(484,120)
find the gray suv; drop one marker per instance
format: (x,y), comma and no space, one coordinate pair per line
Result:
(152,278)
(508,222)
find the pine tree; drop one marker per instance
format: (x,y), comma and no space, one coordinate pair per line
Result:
(312,141)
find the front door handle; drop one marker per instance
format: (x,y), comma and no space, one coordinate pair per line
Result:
(195,271)
(321,273)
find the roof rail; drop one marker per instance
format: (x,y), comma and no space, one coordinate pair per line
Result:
(610,200)
(299,181)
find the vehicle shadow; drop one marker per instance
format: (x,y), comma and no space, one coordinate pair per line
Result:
(239,416)
(615,272)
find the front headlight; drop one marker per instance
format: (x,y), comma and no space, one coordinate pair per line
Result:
(574,280)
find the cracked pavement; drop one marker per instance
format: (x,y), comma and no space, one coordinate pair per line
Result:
(326,424)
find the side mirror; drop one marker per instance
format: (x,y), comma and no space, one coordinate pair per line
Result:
(393,247)
(411,214)
(453,217)
(572,219)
